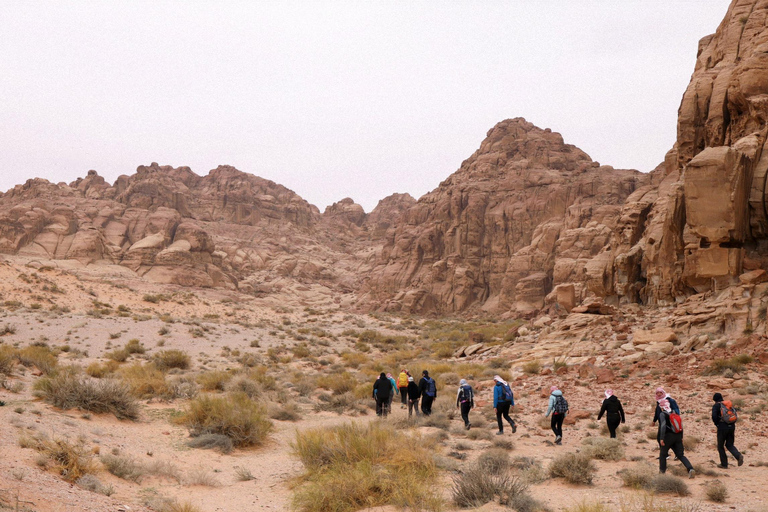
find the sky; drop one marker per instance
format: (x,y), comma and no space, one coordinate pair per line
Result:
(335,99)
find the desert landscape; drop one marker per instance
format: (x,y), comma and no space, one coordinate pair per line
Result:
(178,342)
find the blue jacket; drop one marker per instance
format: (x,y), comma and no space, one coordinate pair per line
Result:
(497,395)
(394,386)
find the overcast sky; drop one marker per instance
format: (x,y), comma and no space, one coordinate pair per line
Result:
(335,99)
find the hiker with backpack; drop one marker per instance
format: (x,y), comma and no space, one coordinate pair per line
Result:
(671,438)
(402,384)
(558,406)
(465,400)
(414,394)
(395,391)
(724,417)
(503,399)
(614,412)
(382,389)
(428,388)
(663,395)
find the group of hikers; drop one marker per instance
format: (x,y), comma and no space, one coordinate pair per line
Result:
(666,413)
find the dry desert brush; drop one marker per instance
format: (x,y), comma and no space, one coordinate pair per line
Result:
(477,485)
(355,466)
(575,468)
(235,415)
(69,390)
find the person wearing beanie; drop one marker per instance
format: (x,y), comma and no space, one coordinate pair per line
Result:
(724,418)
(382,389)
(428,388)
(465,400)
(614,412)
(670,440)
(558,406)
(503,399)
(402,384)
(414,395)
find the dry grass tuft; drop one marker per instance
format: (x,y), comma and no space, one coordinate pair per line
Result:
(38,356)
(717,492)
(68,390)
(7,360)
(494,461)
(575,468)
(72,460)
(168,359)
(477,486)
(668,484)
(233,415)
(356,466)
(218,442)
(603,448)
(124,467)
(214,381)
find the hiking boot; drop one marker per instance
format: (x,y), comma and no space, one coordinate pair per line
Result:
(741,459)
(691,473)
(500,433)
(467,426)
(720,466)
(514,427)
(559,440)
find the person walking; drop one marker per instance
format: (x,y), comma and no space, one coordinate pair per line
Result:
(414,394)
(402,384)
(465,400)
(558,407)
(503,399)
(614,412)
(428,389)
(671,438)
(724,417)
(663,395)
(395,391)
(382,389)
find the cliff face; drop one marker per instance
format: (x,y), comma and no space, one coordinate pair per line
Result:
(524,213)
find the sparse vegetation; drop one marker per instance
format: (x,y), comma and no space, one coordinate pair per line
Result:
(173,358)
(68,390)
(71,460)
(234,416)
(575,468)
(717,492)
(603,448)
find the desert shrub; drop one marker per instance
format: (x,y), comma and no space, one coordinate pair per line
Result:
(668,484)
(691,442)
(494,461)
(532,367)
(124,467)
(339,404)
(338,383)
(734,364)
(218,442)
(476,486)
(134,346)
(7,328)
(638,477)
(99,370)
(72,460)
(286,412)
(247,386)
(7,360)
(234,415)
(603,448)
(588,506)
(202,477)
(214,381)
(354,359)
(144,380)
(717,492)
(356,466)
(91,483)
(575,468)
(260,375)
(173,358)
(178,506)
(68,390)
(38,356)
(182,387)
(119,355)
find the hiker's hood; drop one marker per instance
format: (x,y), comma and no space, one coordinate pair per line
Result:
(499,380)
(462,382)
(557,392)
(718,397)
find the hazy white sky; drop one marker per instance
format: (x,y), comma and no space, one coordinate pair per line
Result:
(335,99)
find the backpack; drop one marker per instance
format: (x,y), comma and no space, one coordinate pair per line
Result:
(431,389)
(506,393)
(465,394)
(675,422)
(561,405)
(728,413)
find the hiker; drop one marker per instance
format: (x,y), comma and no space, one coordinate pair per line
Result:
(558,406)
(663,395)
(614,412)
(503,399)
(465,400)
(414,394)
(382,389)
(671,438)
(402,384)
(428,389)
(724,417)
(395,391)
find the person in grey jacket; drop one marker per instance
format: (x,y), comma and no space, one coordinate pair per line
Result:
(558,407)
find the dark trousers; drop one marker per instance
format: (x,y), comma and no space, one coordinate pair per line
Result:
(613,424)
(465,407)
(557,423)
(413,404)
(673,442)
(403,395)
(725,438)
(502,411)
(426,404)
(382,406)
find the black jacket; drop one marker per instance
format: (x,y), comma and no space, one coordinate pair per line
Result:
(414,393)
(716,416)
(612,406)
(382,388)
(424,386)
